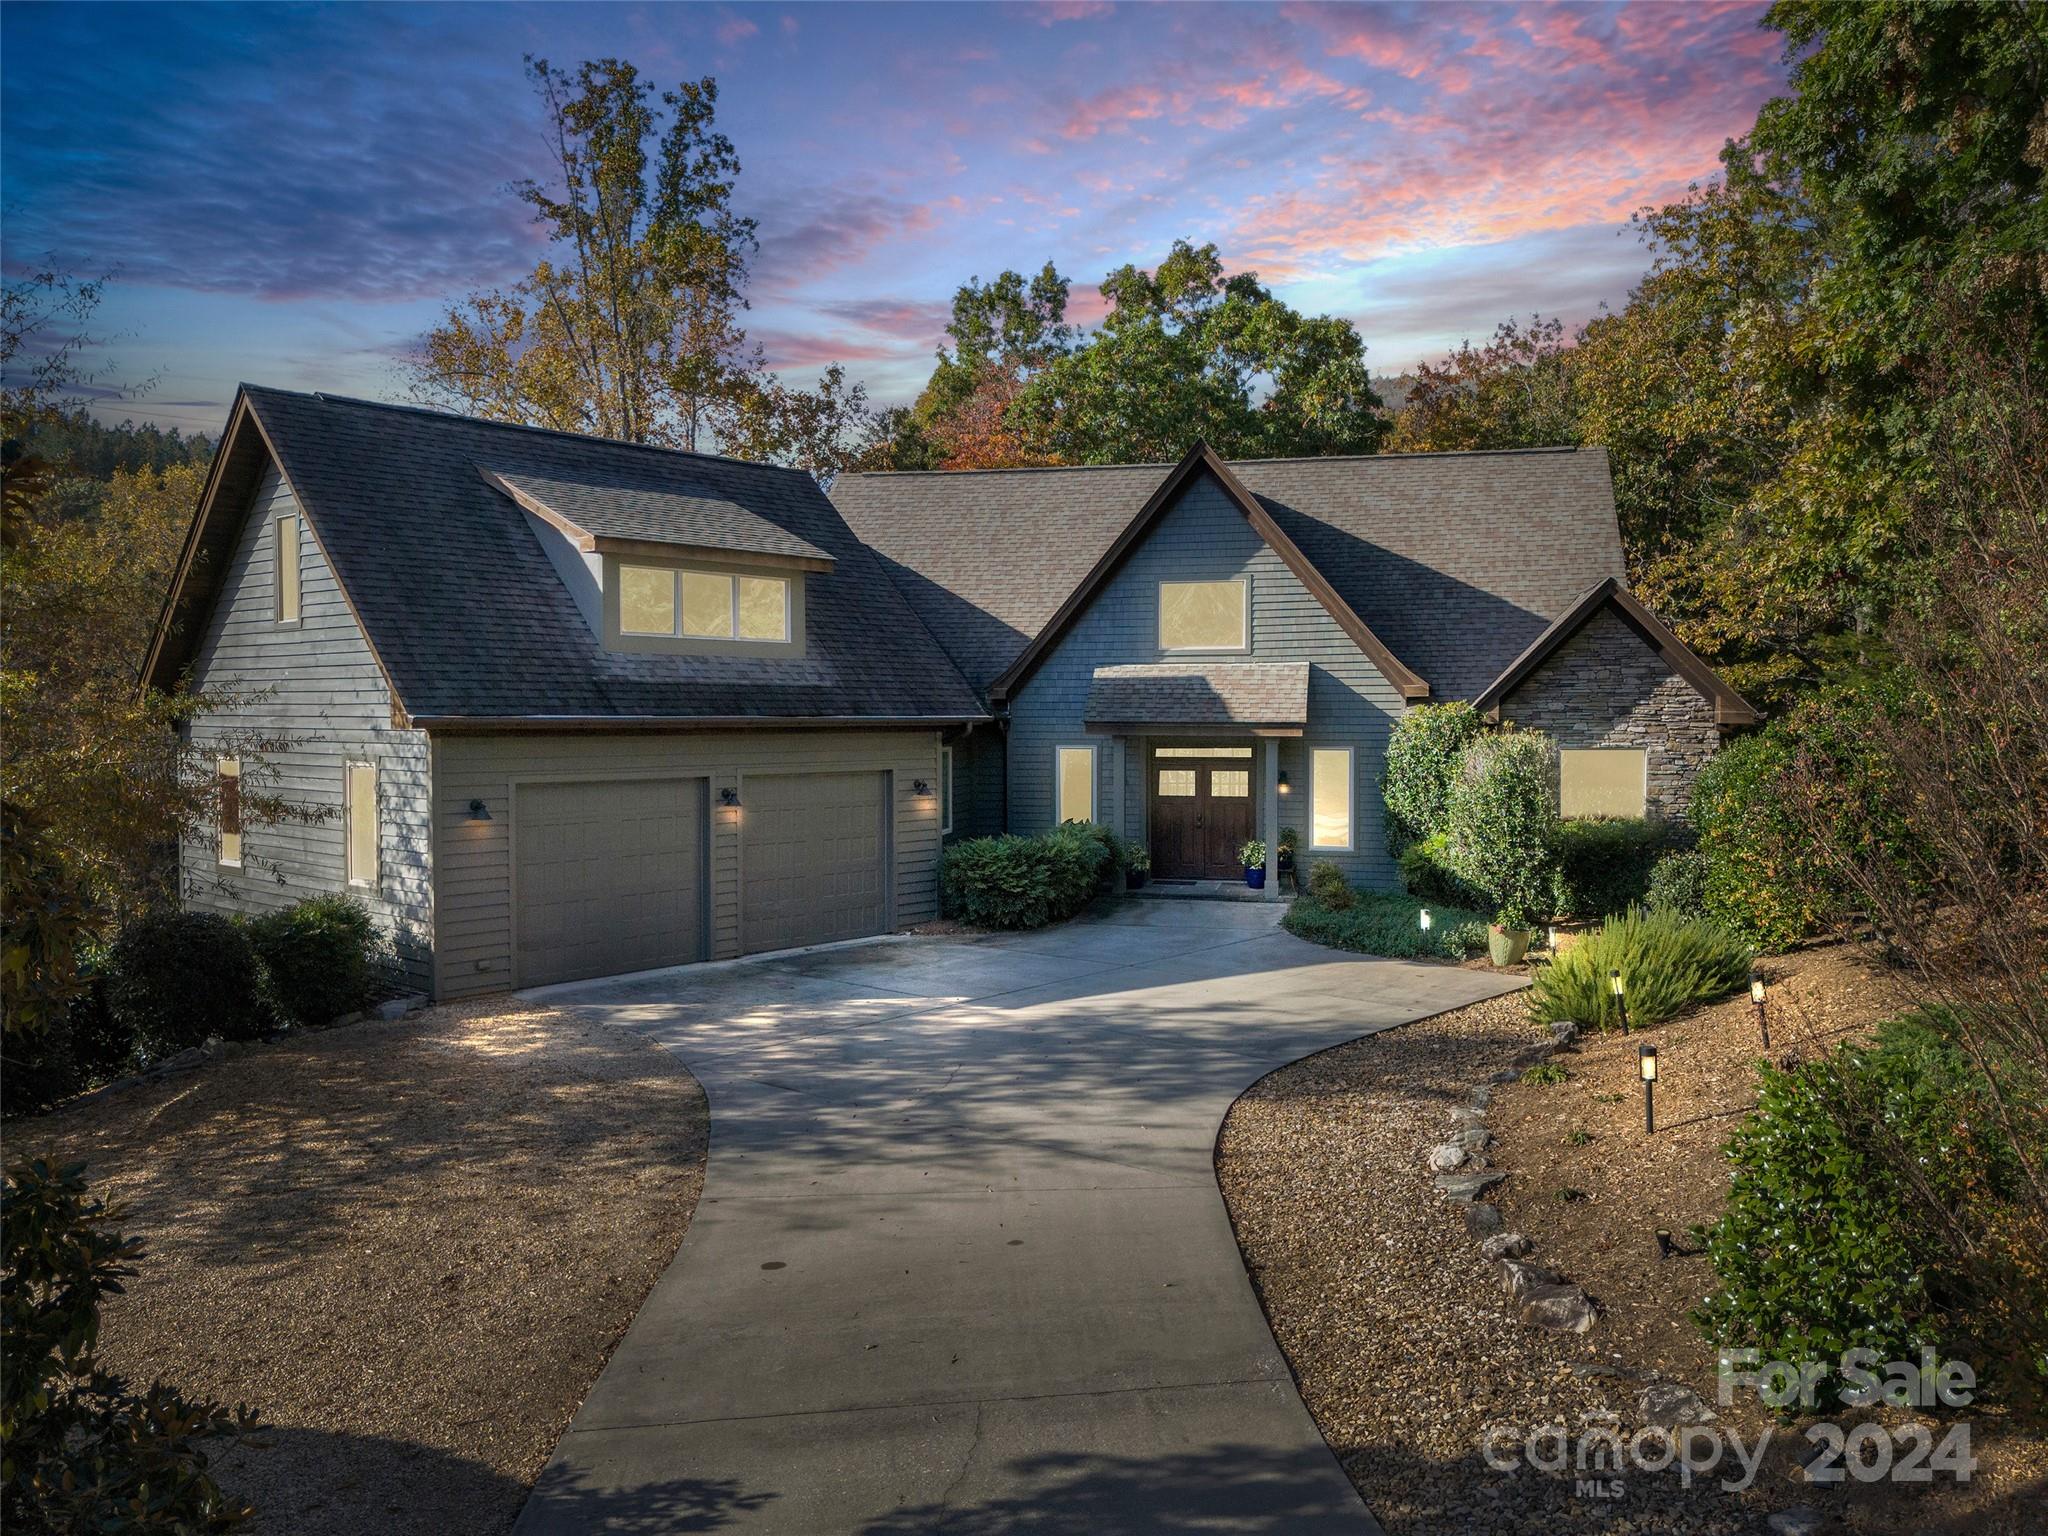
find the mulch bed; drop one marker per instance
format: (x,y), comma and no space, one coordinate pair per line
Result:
(1397,1329)
(411,1246)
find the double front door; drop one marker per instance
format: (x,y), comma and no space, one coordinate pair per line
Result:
(1201,810)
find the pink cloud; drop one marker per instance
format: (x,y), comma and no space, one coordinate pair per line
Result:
(735,29)
(1053,12)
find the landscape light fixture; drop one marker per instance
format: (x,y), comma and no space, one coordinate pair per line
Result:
(1646,1063)
(1423,918)
(1620,999)
(478,811)
(1665,1247)
(729,796)
(1756,995)
(1285,788)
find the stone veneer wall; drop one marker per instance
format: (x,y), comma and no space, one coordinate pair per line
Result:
(1608,687)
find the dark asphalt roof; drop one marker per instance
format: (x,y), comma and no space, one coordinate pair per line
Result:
(608,503)
(470,620)
(1457,561)
(1200,693)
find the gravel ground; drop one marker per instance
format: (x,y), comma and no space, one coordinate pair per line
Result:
(410,1246)
(1404,1346)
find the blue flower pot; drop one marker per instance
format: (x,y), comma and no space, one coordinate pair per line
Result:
(1255,876)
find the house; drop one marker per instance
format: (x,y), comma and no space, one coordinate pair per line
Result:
(559,706)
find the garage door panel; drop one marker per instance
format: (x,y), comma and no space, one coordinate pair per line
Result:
(814,859)
(609,877)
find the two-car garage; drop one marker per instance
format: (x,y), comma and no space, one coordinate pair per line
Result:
(597,856)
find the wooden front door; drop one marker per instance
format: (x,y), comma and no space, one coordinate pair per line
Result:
(1201,811)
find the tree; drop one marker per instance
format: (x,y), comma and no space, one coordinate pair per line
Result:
(632,327)
(821,431)
(1186,352)
(1514,392)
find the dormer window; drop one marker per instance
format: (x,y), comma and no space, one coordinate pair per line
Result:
(677,603)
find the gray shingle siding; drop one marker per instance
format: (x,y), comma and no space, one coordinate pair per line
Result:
(1204,537)
(1607,687)
(322,689)
(978,760)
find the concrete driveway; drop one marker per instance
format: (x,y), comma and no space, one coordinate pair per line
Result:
(961,1263)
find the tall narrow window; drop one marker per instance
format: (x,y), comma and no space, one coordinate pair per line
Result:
(361,830)
(1330,797)
(1076,784)
(228,786)
(288,569)
(945,791)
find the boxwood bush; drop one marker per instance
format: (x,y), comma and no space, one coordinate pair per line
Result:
(1328,888)
(1667,964)
(176,978)
(1678,883)
(1025,882)
(317,957)
(1501,823)
(1816,1251)
(1603,865)
(1422,764)
(1388,923)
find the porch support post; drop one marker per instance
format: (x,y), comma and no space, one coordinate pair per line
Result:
(1269,815)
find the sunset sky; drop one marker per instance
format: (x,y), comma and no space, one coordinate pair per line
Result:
(291,195)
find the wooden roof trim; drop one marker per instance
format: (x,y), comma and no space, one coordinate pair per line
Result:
(1731,709)
(189,550)
(1197,459)
(575,533)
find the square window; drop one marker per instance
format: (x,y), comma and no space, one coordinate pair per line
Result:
(1176,783)
(647,600)
(1604,781)
(764,608)
(1230,783)
(1330,797)
(707,605)
(1203,616)
(287,553)
(1076,784)
(361,811)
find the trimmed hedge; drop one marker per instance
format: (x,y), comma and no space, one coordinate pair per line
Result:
(1603,865)
(1667,963)
(1427,874)
(1678,883)
(1421,768)
(1817,1251)
(1328,888)
(1026,882)
(174,979)
(1388,923)
(317,958)
(1501,824)
(1762,877)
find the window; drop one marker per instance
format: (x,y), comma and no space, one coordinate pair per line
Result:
(1329,773)
(702,605)
(228,784)
(1201,751)
(1203,616)
(1176,783)
(287,552)
(1230,783)
(1075,786)
(360,813)
(1605,781)
(945,791)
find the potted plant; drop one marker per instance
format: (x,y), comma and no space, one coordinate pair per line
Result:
(1137,863)
(1289,841)
(1508,936)
(1253,857)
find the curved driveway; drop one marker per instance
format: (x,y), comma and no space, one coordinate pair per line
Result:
(961,1263)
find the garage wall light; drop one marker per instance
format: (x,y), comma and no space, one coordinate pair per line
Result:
(729,796)
(478,811)
(920,786)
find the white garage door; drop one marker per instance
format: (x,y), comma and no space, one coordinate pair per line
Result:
(814,857)
(607,877)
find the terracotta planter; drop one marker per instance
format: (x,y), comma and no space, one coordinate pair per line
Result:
(1506,946)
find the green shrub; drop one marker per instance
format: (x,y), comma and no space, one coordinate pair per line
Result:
(1426,872)
(1388,923)
(84,1451)
(1025,882)
(1678,884)
(176,978)
(1763,879)
(1817,1251)
(1422,764)
(317,958)
(1328,888)
(1603,865)
(1501,823)
(1667,964)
